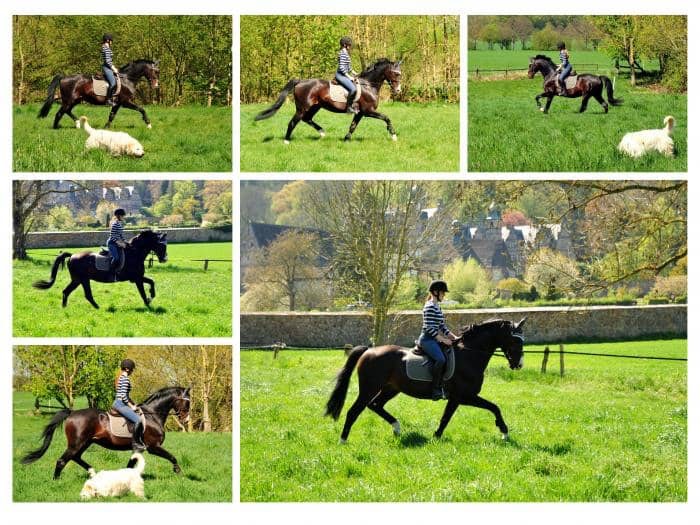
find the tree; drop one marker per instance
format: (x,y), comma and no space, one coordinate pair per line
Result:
(378,233)
(622,35)
(553,273)
(65,372)
(468,281)
(61,218)
(289,260)
(546,38)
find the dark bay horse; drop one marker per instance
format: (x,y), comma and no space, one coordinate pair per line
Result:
(82,267)
(314,94)
(382,375)
(587,85)
(89,425)
(78,88)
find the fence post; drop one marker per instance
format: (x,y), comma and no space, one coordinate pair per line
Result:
(545,358)
(206,264)
(348,349)
(561,360)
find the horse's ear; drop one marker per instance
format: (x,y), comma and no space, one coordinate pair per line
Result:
(532,59)
(156,62)
(519,325)
(399,62)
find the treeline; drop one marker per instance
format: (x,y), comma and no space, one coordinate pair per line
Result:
(194,53)
(277,48)
(626,39)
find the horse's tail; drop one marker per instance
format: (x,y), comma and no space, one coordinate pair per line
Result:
(609,88)
(342,381)
(44,111)
(280,100)
(47,435)
(45,285)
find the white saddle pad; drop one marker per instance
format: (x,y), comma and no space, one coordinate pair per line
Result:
(420,367)
(118,425)
(100,87)
(340,94)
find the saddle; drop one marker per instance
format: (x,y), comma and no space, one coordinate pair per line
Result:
(339,94)
(570,81)
(100,86)
(119,426)
(419,366)
(103,260)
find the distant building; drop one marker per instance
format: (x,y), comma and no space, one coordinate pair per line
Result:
(78,199)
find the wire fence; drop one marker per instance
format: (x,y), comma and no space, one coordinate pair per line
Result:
(481,71)
(150,260)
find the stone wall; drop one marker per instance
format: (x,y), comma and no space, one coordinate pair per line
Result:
(544,325)
(93,239)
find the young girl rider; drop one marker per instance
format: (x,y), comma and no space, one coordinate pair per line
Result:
(126,407)
(342,74)
(433,333)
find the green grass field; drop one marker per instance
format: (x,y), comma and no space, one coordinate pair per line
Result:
(205,459)
(189,138)
(609,430)
(189,301)
(508,133)
(428,140)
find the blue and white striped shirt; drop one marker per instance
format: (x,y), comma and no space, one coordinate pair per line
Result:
(344,65)
(433,319)
(116,231)
(124,388)
(564,57)
(106,55)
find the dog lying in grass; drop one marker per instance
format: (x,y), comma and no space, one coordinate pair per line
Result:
(116,482)
(638,143)
(115,142)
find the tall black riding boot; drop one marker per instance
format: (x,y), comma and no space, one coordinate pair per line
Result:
(349,108)
(109,100)
(437,392)
(562,88)
(137,444)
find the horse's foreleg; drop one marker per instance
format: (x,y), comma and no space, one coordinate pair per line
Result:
(151,283)
(355,121)
(131,105)
(377,406)
(142,292)
(68,290)
(480,402)
(538,98)
(450,409)
(389,127)
(308,118)
(162,453)
(549,103)
(88,292)
(112,114)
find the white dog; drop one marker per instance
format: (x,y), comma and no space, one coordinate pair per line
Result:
(116,142)
(638,143)
(116,482)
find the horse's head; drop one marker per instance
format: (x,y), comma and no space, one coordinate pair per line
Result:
(160,247)
(152,73)
(393,76)
(512,346)
(532,68)
(151,241)
(181,406)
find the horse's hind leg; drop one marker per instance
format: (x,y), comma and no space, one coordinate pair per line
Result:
(70,454)
(584,103)
(292,124)
(88,292)
(368,391)
(68,290)
(601,101)
(61,111)
(162,453)
(69,112)
(308,118)
(377,406)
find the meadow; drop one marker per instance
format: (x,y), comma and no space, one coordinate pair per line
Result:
(189,301)
(428,140)
(610,430)
(508,133)
(188,138)
(205,459)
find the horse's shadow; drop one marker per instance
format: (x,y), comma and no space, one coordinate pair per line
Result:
(413,440)
(158,310)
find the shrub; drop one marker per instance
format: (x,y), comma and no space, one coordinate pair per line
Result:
(410,291)
(670,287)
(468,282)
(172,220)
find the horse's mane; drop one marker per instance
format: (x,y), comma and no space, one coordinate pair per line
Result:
(474,329)
(544,57)
(140,235)
(381,63)
(134,63)
(163,393)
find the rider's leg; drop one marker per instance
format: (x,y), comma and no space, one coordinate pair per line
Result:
(347,84)
(431,347)
(109,77)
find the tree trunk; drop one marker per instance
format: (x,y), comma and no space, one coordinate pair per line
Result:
(631,60)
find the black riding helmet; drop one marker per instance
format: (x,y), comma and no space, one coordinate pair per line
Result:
(119,212)
(345,41)
(438,286)
(561,45)
(107,37)
(128,364)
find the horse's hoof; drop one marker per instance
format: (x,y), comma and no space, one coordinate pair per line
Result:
(286,142)
(148,127)
(176,469)
(505,436)
(91,472)
(394,137)
(322,134)
(342,441)
(397,428)
(77,124)
(542,110)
